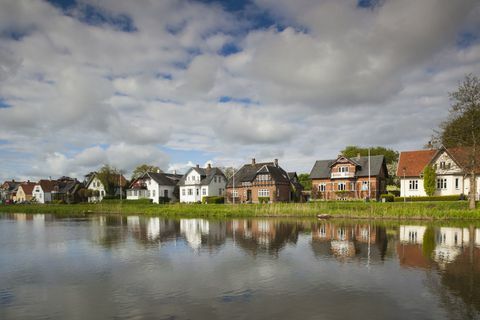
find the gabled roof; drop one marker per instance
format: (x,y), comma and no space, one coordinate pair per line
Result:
(249,172)
(47,185)
(322,168)
(415,161)
(206,175)
(27,187)
(164,179)
(92,175)
(351,160)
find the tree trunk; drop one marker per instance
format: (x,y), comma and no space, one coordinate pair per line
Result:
(473,189)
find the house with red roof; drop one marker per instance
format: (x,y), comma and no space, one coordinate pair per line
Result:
(450,167)
(42,191)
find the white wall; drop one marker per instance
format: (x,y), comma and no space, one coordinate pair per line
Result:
(40,196)
(214,188)
(95,184)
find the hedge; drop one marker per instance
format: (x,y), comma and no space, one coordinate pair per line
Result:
(213,199)
(434,198)
(263,199)
(388,197)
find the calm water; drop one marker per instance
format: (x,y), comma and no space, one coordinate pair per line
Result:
(142,268)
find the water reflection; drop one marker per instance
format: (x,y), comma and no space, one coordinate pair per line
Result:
(301,257)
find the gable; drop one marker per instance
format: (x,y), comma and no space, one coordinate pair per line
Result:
(445,164)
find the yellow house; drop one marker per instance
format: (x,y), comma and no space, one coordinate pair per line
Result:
(24,192)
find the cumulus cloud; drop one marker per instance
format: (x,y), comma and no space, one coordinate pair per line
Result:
(78,92)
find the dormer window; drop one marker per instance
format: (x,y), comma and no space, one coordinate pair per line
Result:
(442,165)
(263,177)
(342,169)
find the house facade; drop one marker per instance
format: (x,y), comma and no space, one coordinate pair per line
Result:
(263,182)
(42,191)
(98,189)
(201,182)
(24,192)
(449,164)
(349,178)
(158,186)
(8,190)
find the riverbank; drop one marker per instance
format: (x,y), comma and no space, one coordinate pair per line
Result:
(373,210)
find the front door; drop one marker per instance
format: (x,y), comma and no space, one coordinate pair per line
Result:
(249,195)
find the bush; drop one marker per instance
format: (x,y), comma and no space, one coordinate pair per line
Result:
(263,199)
(163,200)
(434,198)
(111,197)
(213,199)
(388,197)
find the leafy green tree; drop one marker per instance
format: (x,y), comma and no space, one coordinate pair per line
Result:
(462,129)
(111,178)
(304,179)
(429,180)
(142,169)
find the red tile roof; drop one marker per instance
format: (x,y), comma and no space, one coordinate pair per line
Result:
(47,185)
(27,187)
(414,162)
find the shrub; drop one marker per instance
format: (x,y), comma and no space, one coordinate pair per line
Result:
(434,198)
(263,199)
(388,197)
(163,200)
(111,197)
(213,199)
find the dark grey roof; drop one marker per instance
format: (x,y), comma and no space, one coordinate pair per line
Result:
(248,173)
(321,169)
(164,179)
(206,175)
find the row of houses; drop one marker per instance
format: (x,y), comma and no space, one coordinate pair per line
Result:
(342,178)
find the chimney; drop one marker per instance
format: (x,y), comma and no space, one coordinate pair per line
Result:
(275,162)
(253,161)
(358,156)
(198,166)
(209,166)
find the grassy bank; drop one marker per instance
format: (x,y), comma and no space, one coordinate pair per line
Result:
(415,210)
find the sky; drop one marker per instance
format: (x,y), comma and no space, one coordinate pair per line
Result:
(176,83)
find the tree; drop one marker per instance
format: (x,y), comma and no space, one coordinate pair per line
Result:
(304,179)
(462,129)
(110,178)
(391,157)
(228,171)
(429,180)
(144,168)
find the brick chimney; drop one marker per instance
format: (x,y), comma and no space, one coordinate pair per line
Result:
(253,161)
(209,166)
(198,166)
(275,162)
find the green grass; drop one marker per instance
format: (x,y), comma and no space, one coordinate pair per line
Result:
(417,210)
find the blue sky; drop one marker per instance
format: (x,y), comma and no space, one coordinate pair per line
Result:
(176,82)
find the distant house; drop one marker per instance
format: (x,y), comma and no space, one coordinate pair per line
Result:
(201,182)
(266,181)
(8,190)
(24,192)
(42,191)
(67,190)
(349,178)
(449,165)
(157,186)
(99,190)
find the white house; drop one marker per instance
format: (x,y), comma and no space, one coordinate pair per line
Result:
(202,182)
(93,183)
(452,179)
(42,191)
(157,186)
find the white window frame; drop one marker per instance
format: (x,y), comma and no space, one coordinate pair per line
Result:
(264,193)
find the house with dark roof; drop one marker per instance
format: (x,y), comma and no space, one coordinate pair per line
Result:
(158,186)
(42,191)
(8,190)
(198,182)
(263,182)
(450,166)
(349,178)
(67,190)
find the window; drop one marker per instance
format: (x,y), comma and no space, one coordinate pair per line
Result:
(215,179)
(235,193)
(457,183)
(263,177)
(352,186)
(198,191)
(190,192)
(442,165)
(342,169)
(413,184)
(322,187)
(441,184)
(183,192)
(263,193)
(278,192)
(204,191)
(342,186)
(220,191)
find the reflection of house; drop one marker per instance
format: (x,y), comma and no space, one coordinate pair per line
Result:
(341,241)
(349,178)
(477,237)
(412,234)
(157,186)
(193,229)
(267,181)
(449,166)
(450,242)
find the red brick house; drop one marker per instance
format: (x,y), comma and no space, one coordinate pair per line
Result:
(348,178)
(266,181)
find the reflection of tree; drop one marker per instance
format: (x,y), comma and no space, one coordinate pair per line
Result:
(428,242)
(110,232)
